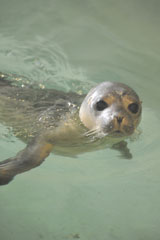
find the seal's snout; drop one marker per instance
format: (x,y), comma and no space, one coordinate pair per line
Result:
(112,108)
(123,125)
(117,126)
(119,119)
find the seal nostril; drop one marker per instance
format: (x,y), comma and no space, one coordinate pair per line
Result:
(119,119)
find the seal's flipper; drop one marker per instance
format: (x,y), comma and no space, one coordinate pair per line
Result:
(123,149)
(32,156)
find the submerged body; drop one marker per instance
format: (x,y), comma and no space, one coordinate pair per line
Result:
(66,123)
(28,110)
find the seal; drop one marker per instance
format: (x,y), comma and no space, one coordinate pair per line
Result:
(65,123)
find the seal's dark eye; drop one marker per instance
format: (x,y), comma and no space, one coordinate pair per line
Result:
(101,105)
(133,107)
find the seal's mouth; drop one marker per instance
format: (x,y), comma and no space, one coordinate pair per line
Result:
(122,132)
(117,133)
(115,130)
(110,131)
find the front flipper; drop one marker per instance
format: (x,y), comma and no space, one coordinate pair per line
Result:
(32,156)
(123,149)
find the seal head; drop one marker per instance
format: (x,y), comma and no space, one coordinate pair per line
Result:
(112,109)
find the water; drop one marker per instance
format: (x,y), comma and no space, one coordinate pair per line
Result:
(72,45)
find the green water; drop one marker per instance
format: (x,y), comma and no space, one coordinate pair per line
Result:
(72,45)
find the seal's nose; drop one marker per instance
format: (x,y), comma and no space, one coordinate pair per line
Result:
(119,119)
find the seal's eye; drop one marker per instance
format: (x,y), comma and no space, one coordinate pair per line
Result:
(101,105)
(133,107)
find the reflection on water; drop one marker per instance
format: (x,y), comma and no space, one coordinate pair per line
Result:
(72,45)
(41,62)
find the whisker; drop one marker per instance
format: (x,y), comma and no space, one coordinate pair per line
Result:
(91,132)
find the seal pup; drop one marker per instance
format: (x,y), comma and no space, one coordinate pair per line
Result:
(65,123)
